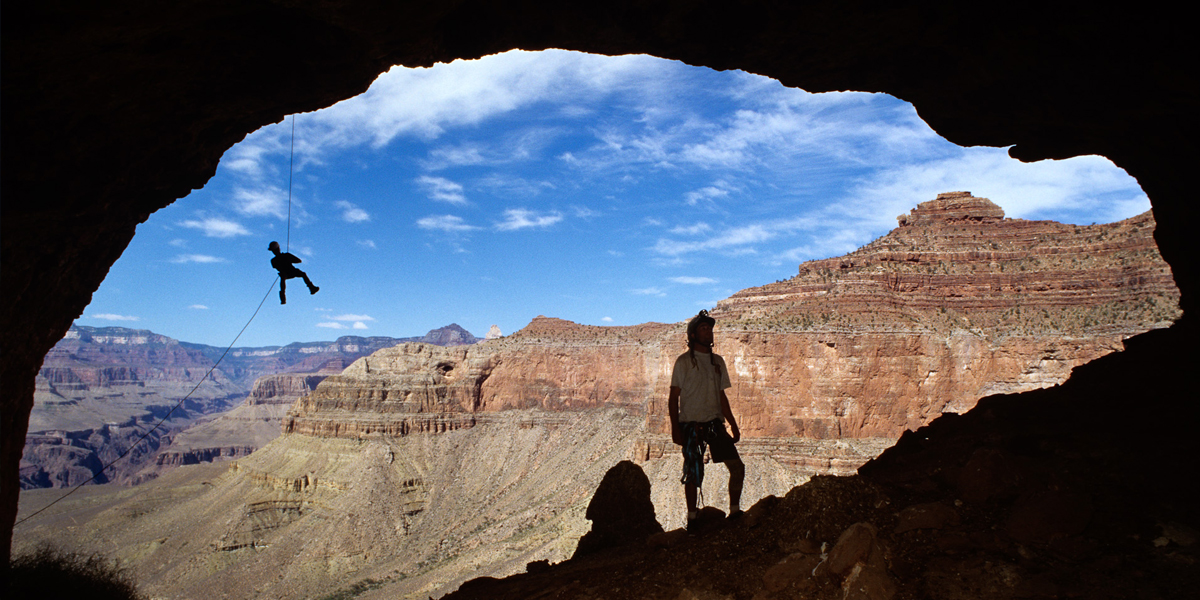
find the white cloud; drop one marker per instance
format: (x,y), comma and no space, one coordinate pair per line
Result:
(113,317)
(736,239)
(704,194)
(584,212)
(693,280)
(650,291)
(454,156)
(607,319)
(352,213)
(520,218)
(360,325)
(196,258)
(441,189)
(509,186)
(266,201)
(332,325)
(198,307)
(370,244)
(448,223)
(423,102)
(215,227)
(178,243)
(350,317)
(696,229)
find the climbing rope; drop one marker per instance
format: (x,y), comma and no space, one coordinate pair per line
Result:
(162,420)
(291,160)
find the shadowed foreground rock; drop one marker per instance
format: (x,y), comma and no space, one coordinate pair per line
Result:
(621,512)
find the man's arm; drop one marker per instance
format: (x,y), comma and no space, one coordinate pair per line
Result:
(673,409)
(728,412)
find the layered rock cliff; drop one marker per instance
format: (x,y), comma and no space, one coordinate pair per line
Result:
(955,304)
(101,389)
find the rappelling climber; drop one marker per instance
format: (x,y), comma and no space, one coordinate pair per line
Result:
(283,262)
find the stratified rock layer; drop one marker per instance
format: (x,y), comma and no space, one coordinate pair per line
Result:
(102,388)
(955,304)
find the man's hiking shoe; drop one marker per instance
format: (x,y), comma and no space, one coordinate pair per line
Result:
(314,289)
(736,514)
(693,526)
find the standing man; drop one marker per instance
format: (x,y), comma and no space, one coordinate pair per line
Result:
(699,407)
(284,263)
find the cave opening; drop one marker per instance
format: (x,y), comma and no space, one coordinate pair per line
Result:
(602,190)
(1058,101)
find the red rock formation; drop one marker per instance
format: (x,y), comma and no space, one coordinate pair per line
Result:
(956,304)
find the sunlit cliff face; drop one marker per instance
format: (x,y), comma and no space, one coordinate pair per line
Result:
(150,99)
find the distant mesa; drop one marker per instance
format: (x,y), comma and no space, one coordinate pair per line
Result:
(493,333)
(450,335)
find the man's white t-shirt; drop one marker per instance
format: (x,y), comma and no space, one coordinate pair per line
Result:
(700,386)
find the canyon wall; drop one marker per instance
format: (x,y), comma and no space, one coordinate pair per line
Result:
(100,389)
(955,304)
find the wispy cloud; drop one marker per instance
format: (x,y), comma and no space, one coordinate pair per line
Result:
(196,258)
(520,218)
(693,280)
(337,322)
(423,103)
(198,307)
(352,213)
(216,227)
(704,195)
(607,319)
(349,317)
(265,201)
(114,317)
(369,244)
(736,239)
(650,291)
(441,189)
(448,223)
(696,229)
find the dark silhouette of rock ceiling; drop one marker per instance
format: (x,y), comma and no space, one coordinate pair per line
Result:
(114,110)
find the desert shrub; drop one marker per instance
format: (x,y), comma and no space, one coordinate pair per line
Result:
(52,573)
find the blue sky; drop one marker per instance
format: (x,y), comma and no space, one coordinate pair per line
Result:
(604,190)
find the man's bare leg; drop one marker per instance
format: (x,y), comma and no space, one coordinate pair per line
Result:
(737,476)
(689,493)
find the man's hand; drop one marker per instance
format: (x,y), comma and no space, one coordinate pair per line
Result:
(737,433)
(677,434)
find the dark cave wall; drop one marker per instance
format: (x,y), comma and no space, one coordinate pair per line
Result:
(114,110)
